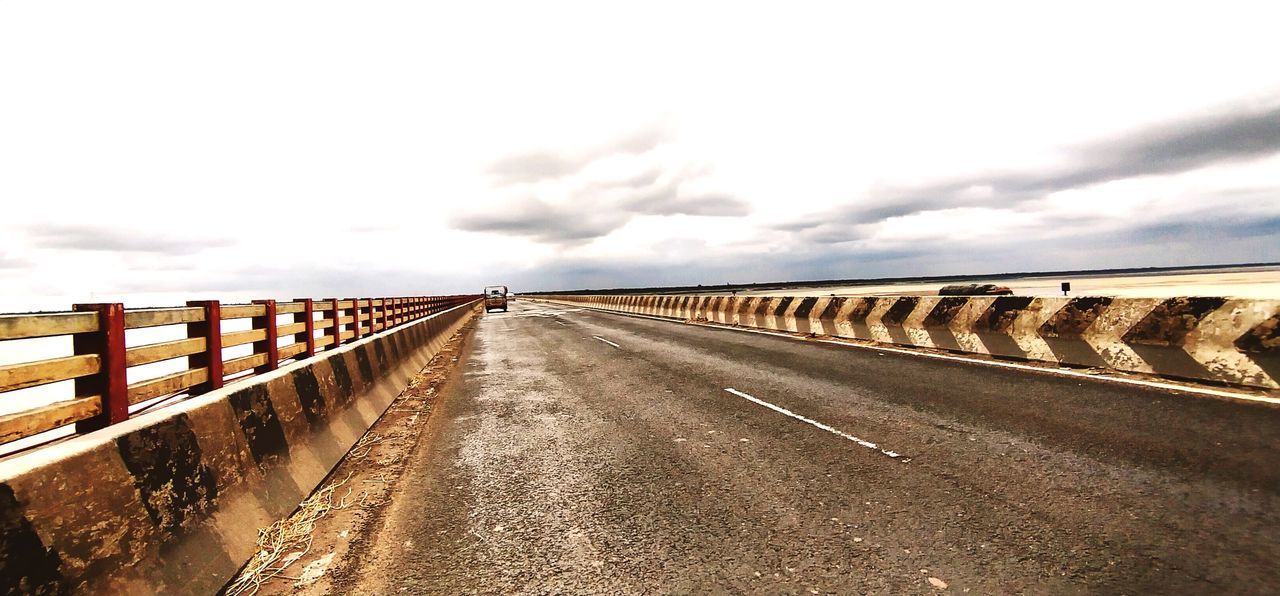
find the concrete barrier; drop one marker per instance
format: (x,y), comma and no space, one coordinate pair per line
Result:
(170,501)
(1222,340)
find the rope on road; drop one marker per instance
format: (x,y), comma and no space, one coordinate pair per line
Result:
(293,534)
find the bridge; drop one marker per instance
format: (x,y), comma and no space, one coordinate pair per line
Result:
(647,443)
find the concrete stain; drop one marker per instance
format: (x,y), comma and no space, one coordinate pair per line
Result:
(363,364)
(26,565)
(999,317)
(1262,345)
(900,310)
(861,309)
(307,387)
(341,375)
(806,307)
(168,471)
(380,353)
(945,311)
(782,306)
(261,425)
(1074,318)
(1169,323)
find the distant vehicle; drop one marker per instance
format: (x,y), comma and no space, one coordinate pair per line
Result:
(974,290)
(495,297)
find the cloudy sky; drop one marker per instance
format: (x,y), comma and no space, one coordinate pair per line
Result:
(319,148)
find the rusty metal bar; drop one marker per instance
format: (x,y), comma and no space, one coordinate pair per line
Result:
(355,319)
(336,330)
(308,337)
(111,381)
(271,345)
(211,358)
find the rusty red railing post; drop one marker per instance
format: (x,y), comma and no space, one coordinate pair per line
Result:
(211,358)
(308,317)
(336,329)
(270,345)
(111,381)
(355,319)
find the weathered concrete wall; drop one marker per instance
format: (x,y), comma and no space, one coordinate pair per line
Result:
(170,502)
(1227,340)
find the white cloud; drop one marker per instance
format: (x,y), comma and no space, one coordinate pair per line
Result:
(219,147)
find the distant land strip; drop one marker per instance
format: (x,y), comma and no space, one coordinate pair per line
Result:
(871,281)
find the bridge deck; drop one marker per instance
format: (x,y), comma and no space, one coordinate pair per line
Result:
(585,451)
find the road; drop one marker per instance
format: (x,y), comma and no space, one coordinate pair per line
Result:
(588,452)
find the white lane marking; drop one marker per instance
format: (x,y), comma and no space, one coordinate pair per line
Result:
(607,341)
(539,313)
(1062,372)
(784,411)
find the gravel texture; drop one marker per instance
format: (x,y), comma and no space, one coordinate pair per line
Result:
(558,463)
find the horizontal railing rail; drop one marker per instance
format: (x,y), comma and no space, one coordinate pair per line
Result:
(114,353)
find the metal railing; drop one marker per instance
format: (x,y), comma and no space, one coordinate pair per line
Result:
(109,352)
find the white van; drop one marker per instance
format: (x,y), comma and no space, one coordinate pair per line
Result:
(495,297)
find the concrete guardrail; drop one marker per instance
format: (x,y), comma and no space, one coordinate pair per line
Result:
(1221,340)
(170,501)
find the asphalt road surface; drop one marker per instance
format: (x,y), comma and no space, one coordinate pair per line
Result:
(586,452)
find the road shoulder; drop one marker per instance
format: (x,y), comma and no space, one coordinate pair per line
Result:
(317,549)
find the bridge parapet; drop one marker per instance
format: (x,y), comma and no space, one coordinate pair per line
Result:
(169,501)
(1212,339)
(115,371)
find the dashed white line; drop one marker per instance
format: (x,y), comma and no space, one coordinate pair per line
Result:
(607,341)
(782,410)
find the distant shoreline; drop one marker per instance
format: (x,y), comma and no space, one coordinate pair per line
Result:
(1134,271)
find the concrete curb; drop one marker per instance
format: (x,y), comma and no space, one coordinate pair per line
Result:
(170,501)
(1203,338)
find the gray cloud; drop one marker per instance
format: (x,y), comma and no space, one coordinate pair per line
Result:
(596,213)
(642,179)
(1203,228)
(94,238)
(534,166)
(8,262)
(1170,148)
(837,246)
(1175,147)
(544,222)
(597,207)
(1193,239)
(664,198)
(711,205)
